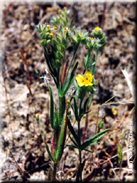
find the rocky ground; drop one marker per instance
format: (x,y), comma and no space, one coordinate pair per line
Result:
(23,93)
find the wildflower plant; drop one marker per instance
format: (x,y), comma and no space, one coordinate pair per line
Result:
(56,39)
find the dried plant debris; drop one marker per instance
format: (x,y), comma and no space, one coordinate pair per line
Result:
(25,94)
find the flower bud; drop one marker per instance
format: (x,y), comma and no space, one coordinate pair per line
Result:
(37,116)
(48,26)
(57,63)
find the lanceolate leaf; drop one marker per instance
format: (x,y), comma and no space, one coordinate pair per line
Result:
(70,80)
(73,132)
(82,113)
(88,59)
(70,25)
(85,104)
(73,146)
(76,145)
(56,119)
(53,71)
(47,147)
(75,109)
(65,70)
(48,61)
(51,108)
(76,85)
(94,138)
(90,100)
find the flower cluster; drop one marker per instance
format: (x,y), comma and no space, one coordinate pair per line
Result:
(93,43)
(62,19)
(79,37)
(98,33)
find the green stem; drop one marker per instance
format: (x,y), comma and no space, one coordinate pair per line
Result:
(62,106)
(86,124)
(54,171)
(80,165)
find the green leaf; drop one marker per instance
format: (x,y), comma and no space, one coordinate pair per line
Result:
(62,137)
(76,85)
(76,145)
(84,62)
(64,41)
(70,80)
(88,150)
(56,119)
(92,139)
(60,56)
(48,61)
(58,39)
(75,109)
(51,108)
(62,48)
(36,71)
(54,72)
(57,63)
(62,106)
(50,155)
(47,147)
(73,146)
(74,39)
(88,59)
(85,105)
(73,133)
(82,113)
(72,20)
(90,100)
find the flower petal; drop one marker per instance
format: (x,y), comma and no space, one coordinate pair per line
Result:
(88,75)
(97,29)
(80,80)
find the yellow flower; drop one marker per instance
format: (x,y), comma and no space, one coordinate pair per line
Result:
(65,28)
(37,116)
(86,80)
(55,28)
(68,101)
(59,10)
(97,29)
(91,38)
(51,34)
(65,8)
(48,26)
(114,111)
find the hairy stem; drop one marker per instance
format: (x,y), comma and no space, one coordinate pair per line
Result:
(62,105)
(80,165)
